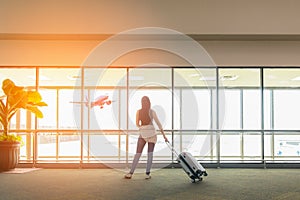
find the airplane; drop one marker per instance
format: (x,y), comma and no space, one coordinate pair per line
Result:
(99,101)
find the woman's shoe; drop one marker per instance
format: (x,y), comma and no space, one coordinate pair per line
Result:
(147,176)
(128,176)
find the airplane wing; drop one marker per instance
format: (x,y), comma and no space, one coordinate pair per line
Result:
(101,98)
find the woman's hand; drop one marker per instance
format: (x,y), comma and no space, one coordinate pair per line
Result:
(166,139)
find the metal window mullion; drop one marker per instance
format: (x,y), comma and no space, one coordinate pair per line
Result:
(57,125)
(242,122)
(127,115)
(81,115)
(211,125)
(262,117)
(217,119)
(35,144)
(272,122)
(89,122)
(180,124)
(173,96)
(119,124)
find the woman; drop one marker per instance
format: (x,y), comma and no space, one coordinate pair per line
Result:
(144,118)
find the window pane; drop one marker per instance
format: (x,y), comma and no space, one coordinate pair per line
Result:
(160,103)
(47,145)
(20,76)
(69,147)
(66,109)
(194,98)
(105,93)
(286,109)
(59,77)
(104,77)
(280,146)
(232,110)
(252,146)
(154,83)
(195,109)
(26,151)
(104,116)
(49,121)
(268,109)
(287,146)
(281,78)
(230,147)
(200,145)
(251,109)
(284,84)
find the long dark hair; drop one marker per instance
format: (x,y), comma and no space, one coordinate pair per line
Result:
(144,111)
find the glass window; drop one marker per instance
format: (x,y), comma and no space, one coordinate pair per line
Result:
(284,84)
(194,98)
(69,146)
(251,109)
(286,109)
(160,103)
(106,115)
(105,134)
(240,98)
(47,146)
(156,84)
(49,121)
(20,76)
(287,146)
(230,147)
(59,77)
(252,146)
(104,77)
(66,111)
(268,109)
(232,110)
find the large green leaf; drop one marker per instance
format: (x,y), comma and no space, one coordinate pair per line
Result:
(9,87)
(41,104)
(18,100)
(34,97)
(36,111)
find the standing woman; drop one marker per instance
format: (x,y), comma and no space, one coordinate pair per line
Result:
(144,118)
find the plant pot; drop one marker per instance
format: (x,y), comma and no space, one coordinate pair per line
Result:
(9,155)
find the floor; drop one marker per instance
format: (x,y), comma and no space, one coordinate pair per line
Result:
(225,184)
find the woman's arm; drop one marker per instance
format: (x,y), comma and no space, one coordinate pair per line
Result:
(159,125)
(137,119)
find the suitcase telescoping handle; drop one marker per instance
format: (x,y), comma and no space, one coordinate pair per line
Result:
(172,149)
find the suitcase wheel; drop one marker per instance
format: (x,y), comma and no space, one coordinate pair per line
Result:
(196,180)
(205,173)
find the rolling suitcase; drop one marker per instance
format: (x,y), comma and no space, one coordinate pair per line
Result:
(190,165)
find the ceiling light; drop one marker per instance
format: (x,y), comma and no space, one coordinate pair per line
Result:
(73,77)
(207,78)
(41,78)
(194,75)
(228,77)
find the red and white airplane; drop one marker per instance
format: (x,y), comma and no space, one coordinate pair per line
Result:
(99,101)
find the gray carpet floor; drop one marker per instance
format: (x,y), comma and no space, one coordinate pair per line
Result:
(225,184)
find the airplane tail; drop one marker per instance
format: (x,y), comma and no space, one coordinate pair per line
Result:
(87,101)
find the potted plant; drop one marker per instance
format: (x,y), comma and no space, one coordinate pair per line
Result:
(15,98)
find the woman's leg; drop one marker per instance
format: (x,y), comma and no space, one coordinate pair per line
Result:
(150,157)
(139,149)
